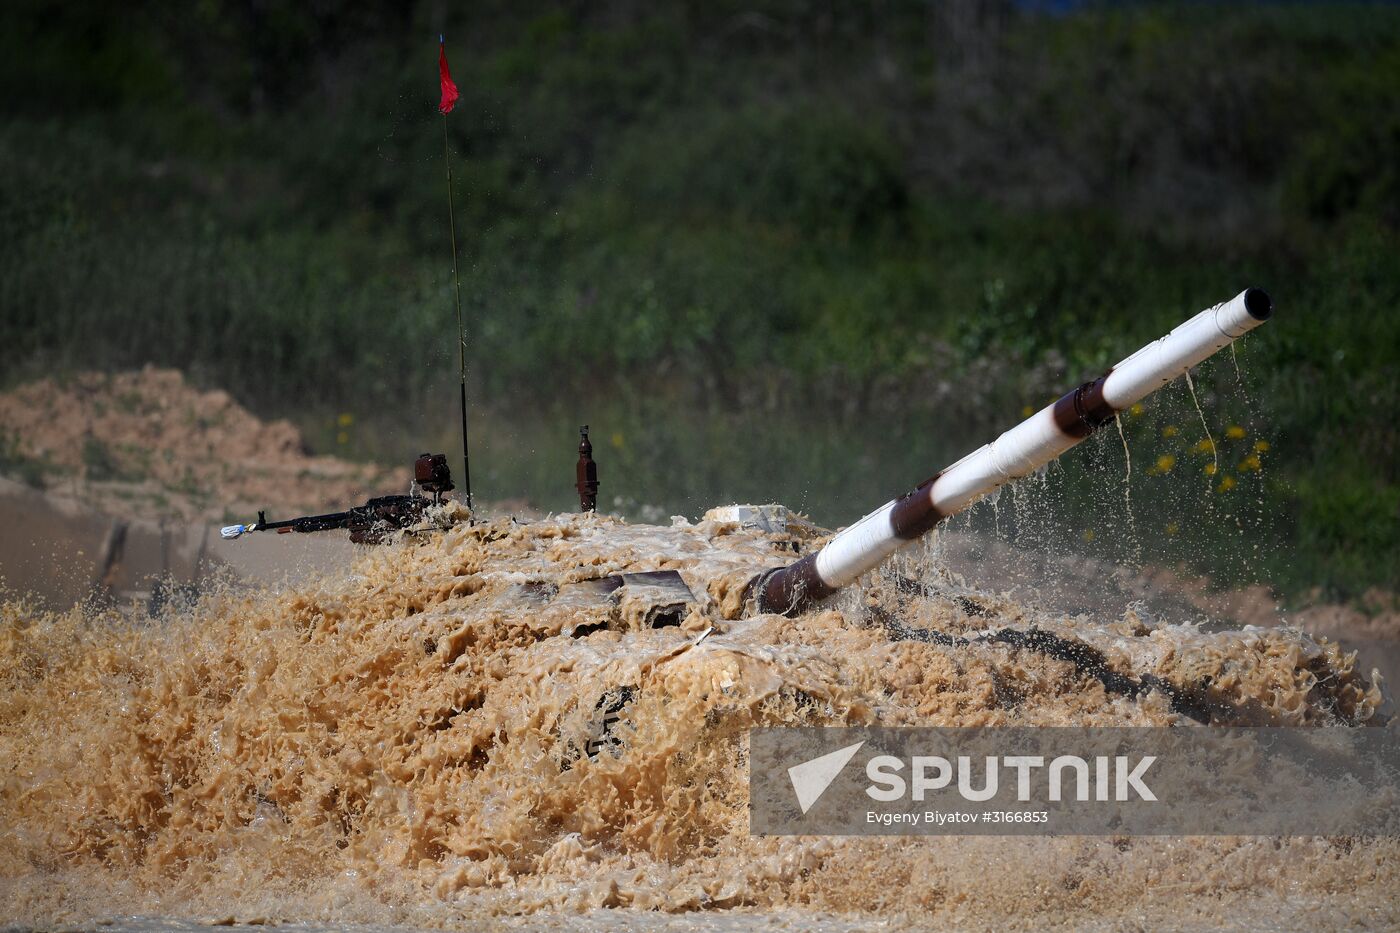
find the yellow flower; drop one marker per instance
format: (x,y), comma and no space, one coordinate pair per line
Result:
(1027,411)
(345,419)
(1088,534)
(1204,446)
(1226,484)
(1173,528)
(1234,432)
(617,439)
(1165,463)
(1250,463)
(1261,446)
(342,438)
(1170,430)
(1137,410)
(1210,469)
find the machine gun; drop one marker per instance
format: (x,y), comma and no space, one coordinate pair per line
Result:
(375,521)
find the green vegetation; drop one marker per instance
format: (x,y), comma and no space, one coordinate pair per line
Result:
(766,252)
(13,463)
(102,464)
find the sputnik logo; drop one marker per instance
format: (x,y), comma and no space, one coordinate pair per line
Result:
(811,778)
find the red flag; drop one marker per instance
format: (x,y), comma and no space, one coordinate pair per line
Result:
(449,87)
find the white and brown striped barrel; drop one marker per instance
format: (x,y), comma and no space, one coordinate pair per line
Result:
(1020,451)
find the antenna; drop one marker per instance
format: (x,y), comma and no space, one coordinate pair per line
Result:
(449,100)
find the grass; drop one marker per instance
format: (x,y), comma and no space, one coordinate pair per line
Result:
(101,464)
(31,471)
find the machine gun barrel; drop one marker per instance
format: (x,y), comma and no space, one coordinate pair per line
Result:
(308,523)
(371,523)
(376,520)
(1020,451)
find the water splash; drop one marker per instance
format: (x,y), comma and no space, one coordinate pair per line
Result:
(1128,488)
(1214,451)
(1020,491)
(400,742)
(995,501)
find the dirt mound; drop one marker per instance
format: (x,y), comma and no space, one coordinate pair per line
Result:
(148,444)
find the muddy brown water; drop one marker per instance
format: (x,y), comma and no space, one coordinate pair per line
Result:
(395,742)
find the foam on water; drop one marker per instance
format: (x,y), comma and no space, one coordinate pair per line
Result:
(402,743)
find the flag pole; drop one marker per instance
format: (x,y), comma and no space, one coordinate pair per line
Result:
(461,331)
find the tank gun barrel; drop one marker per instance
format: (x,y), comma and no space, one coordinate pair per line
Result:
(1018,452)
